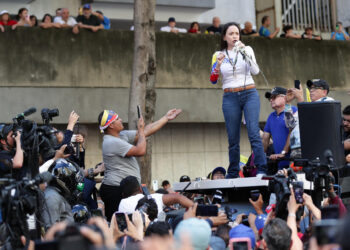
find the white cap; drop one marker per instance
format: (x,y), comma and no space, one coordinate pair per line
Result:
(4,12)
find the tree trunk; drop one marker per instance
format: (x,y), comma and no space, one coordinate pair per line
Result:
(142,90)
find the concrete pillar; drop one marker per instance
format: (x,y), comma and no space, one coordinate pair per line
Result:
(278,13)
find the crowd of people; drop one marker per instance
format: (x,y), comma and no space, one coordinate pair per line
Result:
(95,20)
(87,19)
(123,214)
(50,198)
(247,30)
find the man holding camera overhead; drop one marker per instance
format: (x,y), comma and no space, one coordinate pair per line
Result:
(119,149)
(11,153)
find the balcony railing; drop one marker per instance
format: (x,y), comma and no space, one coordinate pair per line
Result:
(308,13)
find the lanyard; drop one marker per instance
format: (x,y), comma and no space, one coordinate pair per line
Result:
(232,63)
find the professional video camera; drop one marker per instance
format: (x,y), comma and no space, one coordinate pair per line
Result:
(36,140)
(17,200)
(279,185)
(315,171)
(320,174)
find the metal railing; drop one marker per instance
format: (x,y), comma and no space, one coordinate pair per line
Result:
(307,13)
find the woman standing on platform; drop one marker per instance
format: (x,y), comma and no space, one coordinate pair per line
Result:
(236,62)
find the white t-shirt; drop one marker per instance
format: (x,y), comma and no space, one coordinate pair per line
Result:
(70,22)
(129,204)
(244,68)
(168,29)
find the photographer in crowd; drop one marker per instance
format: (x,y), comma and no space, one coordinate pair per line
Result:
(11,153)
(119,149)
(62,192)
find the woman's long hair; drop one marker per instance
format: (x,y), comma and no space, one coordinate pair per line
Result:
(20,12)
(224,30)
(47,14)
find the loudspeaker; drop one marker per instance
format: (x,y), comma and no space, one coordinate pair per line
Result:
(321,128)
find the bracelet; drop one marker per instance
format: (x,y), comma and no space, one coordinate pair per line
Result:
(292,215)
(91,173)
(101,202)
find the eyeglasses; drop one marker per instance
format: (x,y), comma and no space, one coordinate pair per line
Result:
(314,88)
(346,120)
(273,97)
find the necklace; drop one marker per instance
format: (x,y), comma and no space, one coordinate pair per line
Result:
(232,63)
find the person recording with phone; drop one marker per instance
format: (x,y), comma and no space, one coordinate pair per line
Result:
(119,149)
(339,33)
(236,63)
(319,90)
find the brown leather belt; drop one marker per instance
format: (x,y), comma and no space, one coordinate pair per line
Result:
(252,86)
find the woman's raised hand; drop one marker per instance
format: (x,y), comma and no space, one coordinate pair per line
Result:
(219,59)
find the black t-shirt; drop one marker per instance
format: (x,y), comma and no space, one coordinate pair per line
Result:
(248,34)
(92,20)
(5,162)
(214,29)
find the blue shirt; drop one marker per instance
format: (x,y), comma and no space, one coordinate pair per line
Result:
(276,127)
(264,31)
(106,23)
(339,36)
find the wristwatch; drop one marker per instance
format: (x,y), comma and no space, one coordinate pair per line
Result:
(283,152)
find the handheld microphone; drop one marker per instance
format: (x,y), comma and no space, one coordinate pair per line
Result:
(243,53)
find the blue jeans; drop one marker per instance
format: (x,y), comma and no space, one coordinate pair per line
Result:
(232,106)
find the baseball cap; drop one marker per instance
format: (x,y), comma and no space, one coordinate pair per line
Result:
(185,178)
(171,19)
(198,231)
(318,83)
(87,6)
(276,91)
(5,130)
(242,231)
(4,12)
(260,221)
(218,169)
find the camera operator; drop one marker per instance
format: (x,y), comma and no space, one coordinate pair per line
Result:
(11,153)
(61,192)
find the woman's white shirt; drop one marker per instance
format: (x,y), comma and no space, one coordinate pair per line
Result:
(244,68)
